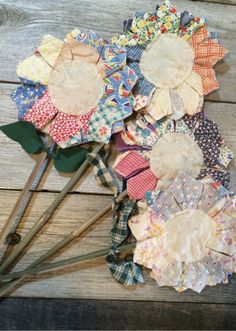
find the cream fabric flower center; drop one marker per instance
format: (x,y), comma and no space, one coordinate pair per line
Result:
(176,152)
(167,61)
(186,234)
(75,86)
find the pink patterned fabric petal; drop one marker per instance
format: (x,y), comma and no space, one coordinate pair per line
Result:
(42,111)
(64,126)
(138,185)
(129,164)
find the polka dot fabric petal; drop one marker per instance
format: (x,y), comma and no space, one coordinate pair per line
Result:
(42,111)
(64,126)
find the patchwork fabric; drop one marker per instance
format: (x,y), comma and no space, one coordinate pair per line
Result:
(145,166)
(65,116)
(187,236)
(144,34)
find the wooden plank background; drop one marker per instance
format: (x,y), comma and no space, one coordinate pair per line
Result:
(22,23)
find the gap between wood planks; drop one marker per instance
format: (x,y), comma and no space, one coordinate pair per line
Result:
(58,191)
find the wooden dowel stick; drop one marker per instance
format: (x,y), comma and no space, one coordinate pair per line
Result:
(47,214)
(65,241)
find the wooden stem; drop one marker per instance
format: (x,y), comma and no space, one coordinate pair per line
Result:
(21,205)
(47,214)
(64,263)
(65,241)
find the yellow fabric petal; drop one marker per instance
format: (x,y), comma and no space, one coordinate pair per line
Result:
(194,80)
(72,34)
(37,67)
(50,48)
(160,105)
(191,99)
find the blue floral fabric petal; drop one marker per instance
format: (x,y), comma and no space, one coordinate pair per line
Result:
(25,96)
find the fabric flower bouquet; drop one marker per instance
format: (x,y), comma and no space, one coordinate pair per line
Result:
(173,210)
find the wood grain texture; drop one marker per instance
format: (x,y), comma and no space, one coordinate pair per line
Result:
(89,280)
(38,314)
(24,22)
(16,164)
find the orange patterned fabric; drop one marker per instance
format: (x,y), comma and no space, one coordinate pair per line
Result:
(207,53)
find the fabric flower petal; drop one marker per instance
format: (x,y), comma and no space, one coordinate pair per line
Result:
(129,164)
(209,52)
(39,66)
(160,104)
(25,97)
(209,81)
(42,111)
(63,127)
(139,184)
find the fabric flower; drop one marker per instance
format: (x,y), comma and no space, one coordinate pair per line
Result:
(188,235)
(75,89)
(156,151)
(173,55)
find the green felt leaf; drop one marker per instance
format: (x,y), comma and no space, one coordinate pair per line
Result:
(25,134)
(69,159)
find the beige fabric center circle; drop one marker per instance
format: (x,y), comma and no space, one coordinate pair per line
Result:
(186,234)
(75,86)
(176,152)
(167,61)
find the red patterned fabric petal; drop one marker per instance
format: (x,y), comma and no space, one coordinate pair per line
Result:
(130,163)
(138,185)
(209,52)
(200,35)
(42,111)
(63,127)
(209,81)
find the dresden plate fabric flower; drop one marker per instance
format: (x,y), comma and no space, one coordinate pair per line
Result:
(172,54)
(77,90)
(188,235)
(154,152)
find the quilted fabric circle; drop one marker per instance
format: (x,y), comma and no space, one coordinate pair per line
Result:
(187,235)
(77,90)
(173,55)
(167,70)
(175,152)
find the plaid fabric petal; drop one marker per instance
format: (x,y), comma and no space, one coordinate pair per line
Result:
(200,35)
(120,230)
(209,81)
(103,173)
(125,272)
(208,53)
